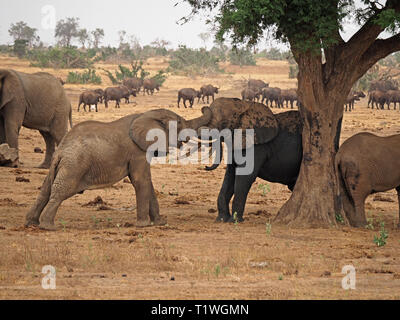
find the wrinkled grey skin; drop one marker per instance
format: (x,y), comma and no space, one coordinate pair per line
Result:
(35,101)
(89,98)
(208,91)
(366,164)
(95,155)
(188,94)
(149,85)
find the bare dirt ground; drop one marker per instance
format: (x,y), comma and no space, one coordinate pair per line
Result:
(98,252)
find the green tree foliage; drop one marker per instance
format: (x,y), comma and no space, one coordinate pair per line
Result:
(66,30)
(20,47)
(21,31)
(85,77)
(59,57)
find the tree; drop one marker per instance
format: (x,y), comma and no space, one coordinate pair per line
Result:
(311,28)
(83,37)
(66,30)
(21,31)
(97,34)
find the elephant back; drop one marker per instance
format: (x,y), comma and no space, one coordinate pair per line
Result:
(290,121)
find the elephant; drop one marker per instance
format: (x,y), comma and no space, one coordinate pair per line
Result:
(277,150)
(208,91)
(377,98)
(95,155)
(351,98)
(393,96)
(366,164)
(188,94)
(35,101)
(89,98)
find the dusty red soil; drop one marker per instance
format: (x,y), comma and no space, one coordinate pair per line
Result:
(98,252)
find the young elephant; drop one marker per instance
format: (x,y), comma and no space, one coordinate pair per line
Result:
(277,155)
(366,164)
(96,155)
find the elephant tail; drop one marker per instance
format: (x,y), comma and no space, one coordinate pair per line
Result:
(70,117)
(344,199)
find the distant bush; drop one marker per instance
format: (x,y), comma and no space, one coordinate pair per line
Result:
(5,49)
(87,76)
(293,71)
(273,54)
(136,71)
(160,77)
(59,57)
(188,61)
(242,57)
(20,48)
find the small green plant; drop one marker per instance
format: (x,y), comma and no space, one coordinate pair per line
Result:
(280,277)
(339,218)
(383,235)
(370,223)
(235,219)
(95,220)
(268,228)
(63,223)
(217,270)
(264,187)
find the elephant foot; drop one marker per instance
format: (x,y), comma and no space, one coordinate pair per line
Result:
(238,219)
(143,223)
(223,218)
(44,165)
(160,221)
(31,222)
(47,226)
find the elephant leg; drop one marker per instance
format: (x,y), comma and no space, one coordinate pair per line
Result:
(32,217)
(65,185)
(398,199)
(2,131)
(96,107)
(241,190)
(155,217)
(225,194)
(141,180)
(50,148)
(11,130)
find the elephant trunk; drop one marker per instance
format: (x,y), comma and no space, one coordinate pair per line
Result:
(200,121)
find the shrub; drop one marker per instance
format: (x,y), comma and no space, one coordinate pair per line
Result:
(293,71)
(87,76)
(20,48)
(242,57)
(123,72)
(59,57)
(188,61)
(160,77)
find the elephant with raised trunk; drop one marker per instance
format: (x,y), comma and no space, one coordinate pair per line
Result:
(366,164)
(95,155)
(35,101)
(277,150)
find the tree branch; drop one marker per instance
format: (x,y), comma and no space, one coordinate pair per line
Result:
(378,50)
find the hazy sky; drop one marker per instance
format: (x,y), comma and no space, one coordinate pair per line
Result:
(146,19)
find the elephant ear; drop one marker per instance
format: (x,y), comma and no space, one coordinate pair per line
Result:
(10,87)
(154,119)
(257,116)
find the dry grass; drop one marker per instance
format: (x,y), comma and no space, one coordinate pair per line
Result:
(101,254)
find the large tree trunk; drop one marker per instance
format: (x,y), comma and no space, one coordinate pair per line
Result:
(314,201)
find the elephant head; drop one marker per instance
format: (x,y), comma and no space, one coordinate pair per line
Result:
(160,119)
(233,113)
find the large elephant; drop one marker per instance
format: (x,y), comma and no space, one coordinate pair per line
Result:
(96,155)
(365,164)
(35,101)
(277,150)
